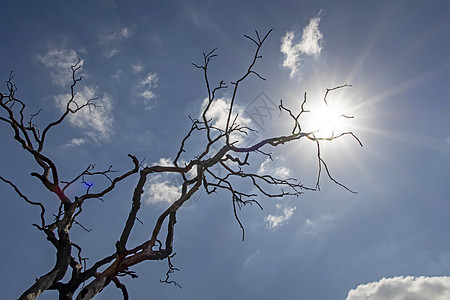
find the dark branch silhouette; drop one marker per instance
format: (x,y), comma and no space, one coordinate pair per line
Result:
(219,163)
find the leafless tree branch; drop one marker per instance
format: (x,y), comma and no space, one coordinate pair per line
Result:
(170,271)
(220,162)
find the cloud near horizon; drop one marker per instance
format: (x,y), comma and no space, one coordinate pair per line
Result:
(402,288)
(310,45)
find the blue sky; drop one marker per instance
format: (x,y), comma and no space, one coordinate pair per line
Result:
(137,59)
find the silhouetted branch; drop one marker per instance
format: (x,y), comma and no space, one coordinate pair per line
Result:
(332,89)
(170,271)
(219,163)
(16,189)
(121,286)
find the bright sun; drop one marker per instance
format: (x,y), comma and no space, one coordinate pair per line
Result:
(327,121)
(328,116)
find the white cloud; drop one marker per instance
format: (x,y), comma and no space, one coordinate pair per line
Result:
(168,162)
(201,20)
(274,221)
(147,95)
(117,74)
(166,187)
(274,168)
(149,81)
(96,122)
(403,288)
(137,68)
(159,189)
(111,53)
(75,142)
(319,224)
(59,61)
(310,44)
(111,41)
(218,112)
(165,162)
(251,258)
(146,86)
(311,38)
(123,33)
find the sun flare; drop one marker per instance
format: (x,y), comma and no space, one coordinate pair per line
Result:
(326,122)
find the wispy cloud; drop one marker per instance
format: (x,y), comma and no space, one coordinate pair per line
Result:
(275,168)
(146,86)
(111,40)
(137,68)
(96,122)
(59,61)
(436,288)
(75,142)
(200,18)
(251,258)
(310,44)
(149,81)
(122,33)
(112,52)
(117,74)
(319,224)
(218,112)
(274,221)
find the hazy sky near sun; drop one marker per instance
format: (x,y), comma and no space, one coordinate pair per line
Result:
(136,57)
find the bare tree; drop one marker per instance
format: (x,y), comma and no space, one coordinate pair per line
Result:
(221,150)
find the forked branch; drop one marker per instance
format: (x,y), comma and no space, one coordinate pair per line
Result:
(221,161)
